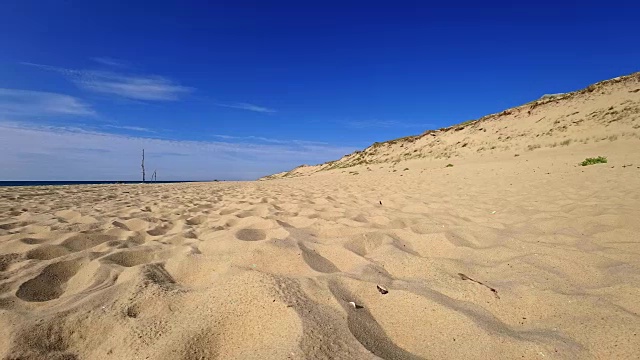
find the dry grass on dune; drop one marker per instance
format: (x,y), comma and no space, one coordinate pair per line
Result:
(606,111)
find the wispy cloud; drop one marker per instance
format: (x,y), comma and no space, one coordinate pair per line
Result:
(14,102)
(135,87)
(247,106)
(386,124)
(268,140)
(58,153)
(132,128)
(107,61)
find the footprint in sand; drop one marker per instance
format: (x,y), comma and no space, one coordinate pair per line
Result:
(67,214)
(196,220)
(50,283)
(47,252)
(86,241)
(251,235)
(190,235)
(360,218)
(364,327)
(227,211)
(316,261)
(120,225)
(246,213)
(8,259)
(160,230)
(157,274)
(32,241)
(13,225)
(130,258)
(365,244)
(73,244)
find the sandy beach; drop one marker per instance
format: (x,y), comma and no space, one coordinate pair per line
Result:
(514,251)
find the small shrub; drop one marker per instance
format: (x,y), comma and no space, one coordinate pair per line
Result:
(565,142)
(533,147)
(613,137)
(405,169)
(449,165)
(593,161)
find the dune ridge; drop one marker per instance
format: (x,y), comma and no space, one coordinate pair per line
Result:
(607,110)
(496,256)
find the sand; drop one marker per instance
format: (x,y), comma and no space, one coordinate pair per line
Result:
(496,257)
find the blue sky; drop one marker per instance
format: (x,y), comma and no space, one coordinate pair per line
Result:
(241,89)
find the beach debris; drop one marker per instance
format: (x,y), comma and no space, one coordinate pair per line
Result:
(465,277)
(355,306)
(382,290)
(493,212)
(380,202)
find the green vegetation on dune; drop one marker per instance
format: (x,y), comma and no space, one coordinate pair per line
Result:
(593,161)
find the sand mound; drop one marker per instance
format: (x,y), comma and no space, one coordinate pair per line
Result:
(49,284)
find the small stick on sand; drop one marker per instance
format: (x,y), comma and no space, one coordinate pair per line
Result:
(465,277)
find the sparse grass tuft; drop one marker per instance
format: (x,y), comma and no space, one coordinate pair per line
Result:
(449,165)
(593,161)
(565,142)
(533,147)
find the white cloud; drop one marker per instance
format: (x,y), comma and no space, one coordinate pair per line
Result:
(30,152)
(269,140)
(14,102)
(132,128)
(107,61)
(152,88)
(247,106)
(135,87)
(386,124)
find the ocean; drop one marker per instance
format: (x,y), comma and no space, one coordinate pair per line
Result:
(49,183)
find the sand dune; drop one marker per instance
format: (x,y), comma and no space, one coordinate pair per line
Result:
(498,256)
(605,111)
